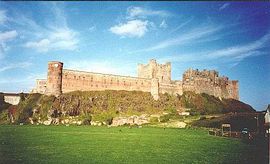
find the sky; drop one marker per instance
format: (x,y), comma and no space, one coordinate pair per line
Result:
(113,37)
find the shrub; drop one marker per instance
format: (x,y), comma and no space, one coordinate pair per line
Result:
(87,121)
(22,96)
(153,120)
(109,120)
(164,118)
(24,115)
(202,118)
(171,110)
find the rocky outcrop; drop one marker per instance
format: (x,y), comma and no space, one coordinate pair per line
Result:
(132,120)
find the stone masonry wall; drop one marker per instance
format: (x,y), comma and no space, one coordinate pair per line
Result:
(54,78)
(153,77)
(209,82)
(89,81)
(155,70)
(40,86)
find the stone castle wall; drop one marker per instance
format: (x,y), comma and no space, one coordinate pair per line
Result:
(54,78)
(153,77)
(209,82)
(155,70)
(90,81)
(40,86)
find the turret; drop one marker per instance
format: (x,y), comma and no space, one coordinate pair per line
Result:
(54,78)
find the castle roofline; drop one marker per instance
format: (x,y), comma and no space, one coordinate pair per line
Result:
(55,62)
(107,74)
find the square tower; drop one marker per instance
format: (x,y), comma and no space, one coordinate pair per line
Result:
(154,70)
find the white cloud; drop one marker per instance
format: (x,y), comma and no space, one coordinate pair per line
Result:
(14,66)
(225,5)
(9,35)
(3,17)
(133,28)
(60,15)
(92,28)
(42,45)
(139,12)
(163,24)
(56,35)
(137,25)
(4,38)
(233,55)
(57,39)
(192,36)
(182,25)
(241,51)
(64,38)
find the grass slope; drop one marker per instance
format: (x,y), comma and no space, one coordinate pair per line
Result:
(84,144)
(103,105)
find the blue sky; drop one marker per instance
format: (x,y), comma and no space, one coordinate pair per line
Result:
(112,37)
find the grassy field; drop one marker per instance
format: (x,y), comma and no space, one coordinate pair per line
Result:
(88,144)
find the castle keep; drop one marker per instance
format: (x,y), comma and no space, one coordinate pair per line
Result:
(153,77)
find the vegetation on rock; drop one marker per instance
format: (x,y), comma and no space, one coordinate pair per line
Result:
(103,106)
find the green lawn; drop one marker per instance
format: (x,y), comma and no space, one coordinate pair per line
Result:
(88,144)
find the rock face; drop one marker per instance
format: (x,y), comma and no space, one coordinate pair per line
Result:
(116,107)
(132,120)
(181,125)
(48,122)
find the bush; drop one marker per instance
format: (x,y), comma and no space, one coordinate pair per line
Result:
(86,121)
(171,110)
(109,120)
(202,118)
(153,120)
(164,118)
(22,96)
(25,107)
(24,115)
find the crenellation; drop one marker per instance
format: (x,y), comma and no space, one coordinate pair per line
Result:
(152,77)
(41,86)
(209,82)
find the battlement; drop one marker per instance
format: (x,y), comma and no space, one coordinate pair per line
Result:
(155,70)
(209,81)
(152,77)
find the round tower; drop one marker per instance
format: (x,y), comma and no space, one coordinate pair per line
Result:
(54,78)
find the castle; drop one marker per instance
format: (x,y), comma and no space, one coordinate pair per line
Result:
(153,77)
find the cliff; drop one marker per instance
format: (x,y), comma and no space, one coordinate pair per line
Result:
(208,104)
(105,105)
